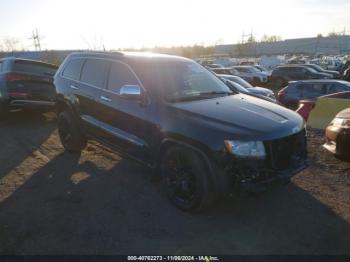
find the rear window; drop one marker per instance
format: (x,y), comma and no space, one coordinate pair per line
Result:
(95,72)
(34,68)
(73,69)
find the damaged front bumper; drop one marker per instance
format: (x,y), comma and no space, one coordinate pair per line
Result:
(263,179)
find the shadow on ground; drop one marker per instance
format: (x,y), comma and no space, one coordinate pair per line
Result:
(21,134)
(75,206)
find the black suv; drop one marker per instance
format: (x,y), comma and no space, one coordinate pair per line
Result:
(178,118)
(26,84)
(281,75)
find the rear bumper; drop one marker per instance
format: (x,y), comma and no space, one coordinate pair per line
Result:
(33,104)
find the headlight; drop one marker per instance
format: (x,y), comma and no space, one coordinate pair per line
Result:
(341,122)
(255,149)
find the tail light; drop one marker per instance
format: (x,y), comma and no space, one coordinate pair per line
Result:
(19,95)
(281,94)
(17,77)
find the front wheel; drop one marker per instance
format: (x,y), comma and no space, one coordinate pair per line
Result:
(71,137)
(187,179)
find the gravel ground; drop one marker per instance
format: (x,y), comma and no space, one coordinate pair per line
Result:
(53,202)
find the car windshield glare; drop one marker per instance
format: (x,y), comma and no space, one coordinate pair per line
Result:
(180,81)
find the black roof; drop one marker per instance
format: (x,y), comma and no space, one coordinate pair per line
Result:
(12,58)
(128,56)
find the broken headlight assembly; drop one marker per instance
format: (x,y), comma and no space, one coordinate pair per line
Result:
(246,149)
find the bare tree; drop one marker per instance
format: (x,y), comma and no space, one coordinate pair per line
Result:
(10,44)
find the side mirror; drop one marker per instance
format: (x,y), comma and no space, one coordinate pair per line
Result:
(132,92)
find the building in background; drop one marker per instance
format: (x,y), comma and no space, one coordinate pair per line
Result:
(332,45)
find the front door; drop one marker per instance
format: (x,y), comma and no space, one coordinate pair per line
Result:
(126,121)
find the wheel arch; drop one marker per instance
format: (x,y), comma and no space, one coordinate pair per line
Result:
(218,178)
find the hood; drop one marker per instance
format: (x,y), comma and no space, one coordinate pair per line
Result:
(331,72)
(324,74)
(344,113)
(241,116)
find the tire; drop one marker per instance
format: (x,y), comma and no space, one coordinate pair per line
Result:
(68,129)
(3,111)
(187,179)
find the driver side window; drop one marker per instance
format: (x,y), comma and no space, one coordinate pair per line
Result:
(120,75)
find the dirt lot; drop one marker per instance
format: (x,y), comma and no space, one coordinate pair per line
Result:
(53,202)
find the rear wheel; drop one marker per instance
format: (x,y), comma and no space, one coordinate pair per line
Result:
(71,137)
(3,111)
(187,180)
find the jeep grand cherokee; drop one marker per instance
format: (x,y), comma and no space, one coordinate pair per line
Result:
(176,117)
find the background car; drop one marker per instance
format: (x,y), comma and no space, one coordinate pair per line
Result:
(257,77)
(212,66)
(346,75)
(338,135)
(281,75)
(224,71)
(244,87)
(263,69)
(295,91)
(306,106)
(317,68)
(26,84)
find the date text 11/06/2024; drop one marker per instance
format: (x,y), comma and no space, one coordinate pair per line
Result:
(173,258)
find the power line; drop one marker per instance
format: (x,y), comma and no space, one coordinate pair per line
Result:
(36,38)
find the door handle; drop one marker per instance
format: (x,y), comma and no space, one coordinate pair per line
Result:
(105,99)
(74,87)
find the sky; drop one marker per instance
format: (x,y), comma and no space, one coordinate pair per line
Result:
(84,24)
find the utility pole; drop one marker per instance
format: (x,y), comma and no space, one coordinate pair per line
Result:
(36,38)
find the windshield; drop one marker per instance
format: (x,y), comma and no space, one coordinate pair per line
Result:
(311,69)
(242,82)
(238,80)
(260,68)
(316,67)
(237,87)
(180,81)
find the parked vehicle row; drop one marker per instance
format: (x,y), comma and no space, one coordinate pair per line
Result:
(295,91)
(281,75)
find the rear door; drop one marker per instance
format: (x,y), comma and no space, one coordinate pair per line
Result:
(126,122)
(315,90)
(87,89)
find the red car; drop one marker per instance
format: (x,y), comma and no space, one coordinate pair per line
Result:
(305,106)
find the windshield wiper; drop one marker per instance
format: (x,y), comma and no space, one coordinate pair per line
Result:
(215,93)
(199,96)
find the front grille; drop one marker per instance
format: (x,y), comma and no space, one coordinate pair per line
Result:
(287,152)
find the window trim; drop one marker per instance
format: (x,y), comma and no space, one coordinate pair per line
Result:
(104,89)
(128,67)
(66,65)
